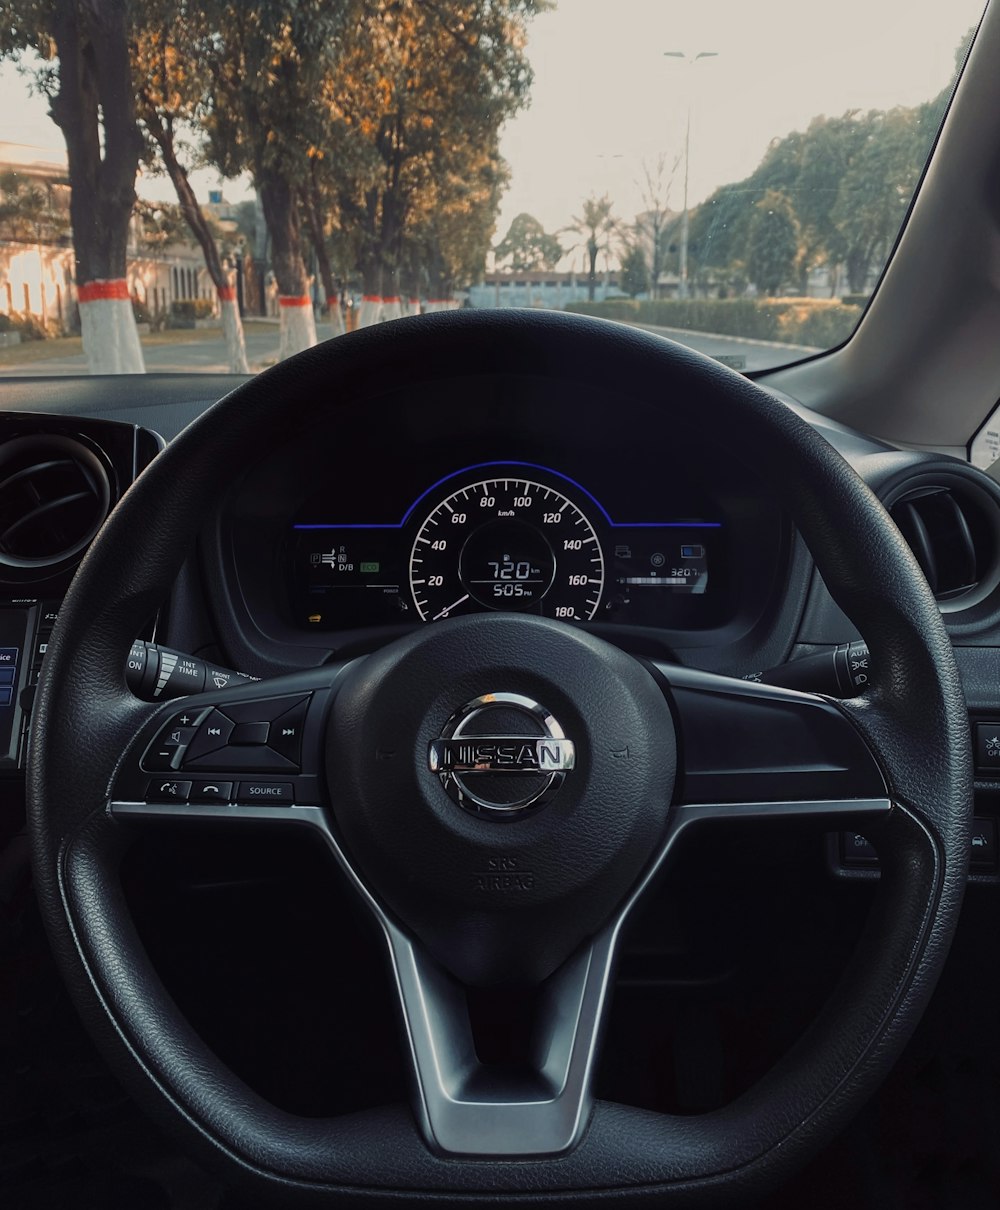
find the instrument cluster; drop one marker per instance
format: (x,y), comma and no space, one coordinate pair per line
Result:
(509,536)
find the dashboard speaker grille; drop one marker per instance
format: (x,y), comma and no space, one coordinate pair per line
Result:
(54,496)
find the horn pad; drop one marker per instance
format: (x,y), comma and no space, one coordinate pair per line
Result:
(500,782)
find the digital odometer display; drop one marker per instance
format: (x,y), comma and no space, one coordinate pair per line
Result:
(508,544)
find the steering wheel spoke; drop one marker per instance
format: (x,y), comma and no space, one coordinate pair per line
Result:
(537,1106)
(539,1101)
(756,752)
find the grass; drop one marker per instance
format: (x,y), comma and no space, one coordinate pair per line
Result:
(41,350)
(34,351)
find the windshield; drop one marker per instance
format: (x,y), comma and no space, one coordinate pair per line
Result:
(213,187)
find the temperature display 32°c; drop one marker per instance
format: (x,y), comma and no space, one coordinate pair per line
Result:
(508,544)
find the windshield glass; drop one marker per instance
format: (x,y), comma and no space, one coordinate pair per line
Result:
(212,187)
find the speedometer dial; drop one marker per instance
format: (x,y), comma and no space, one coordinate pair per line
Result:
(509,544)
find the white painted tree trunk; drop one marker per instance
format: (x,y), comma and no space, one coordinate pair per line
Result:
(391,308)
(298,325)
(370,311)
(337,325)
(232,330)
(414,306)
(107,321)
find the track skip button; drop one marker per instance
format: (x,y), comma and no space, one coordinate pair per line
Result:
(212,735)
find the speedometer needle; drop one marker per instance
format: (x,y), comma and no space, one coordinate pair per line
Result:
(454,605)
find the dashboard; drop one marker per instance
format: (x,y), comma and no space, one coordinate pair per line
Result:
(313,555)
(377,474)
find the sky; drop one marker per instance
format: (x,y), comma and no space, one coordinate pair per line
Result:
(607,100)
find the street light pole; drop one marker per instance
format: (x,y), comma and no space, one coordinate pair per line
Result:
(682,266)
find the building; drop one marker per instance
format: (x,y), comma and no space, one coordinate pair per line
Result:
(36,252)
(36,256)
(540,288)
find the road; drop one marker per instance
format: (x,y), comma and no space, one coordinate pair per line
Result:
(202,356)
(736,351)
(208,356)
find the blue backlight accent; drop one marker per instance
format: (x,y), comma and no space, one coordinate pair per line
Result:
(479,466)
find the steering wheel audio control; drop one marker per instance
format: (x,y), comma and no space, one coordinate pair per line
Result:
(232,750)
(246,737)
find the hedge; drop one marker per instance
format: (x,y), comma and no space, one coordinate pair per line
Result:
(192,308)
(817,322)
(30,326)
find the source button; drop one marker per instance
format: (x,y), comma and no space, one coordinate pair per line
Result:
(259,793)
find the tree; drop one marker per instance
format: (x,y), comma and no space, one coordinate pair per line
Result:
(160,224)
(422,89)
(86,76)
(27,213)
(22,209)
(450,243)
(634,271)
(270,69)
(526,246)
(596,224)
(773,242)
(823,157)
(170,83)
(838,178)
(314,201)
(656,219)
(848,180)
(876,189)
(719,227)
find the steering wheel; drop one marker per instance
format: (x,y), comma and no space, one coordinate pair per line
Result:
(504,753)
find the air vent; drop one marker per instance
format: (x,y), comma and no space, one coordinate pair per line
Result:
(952,527)
(54,497)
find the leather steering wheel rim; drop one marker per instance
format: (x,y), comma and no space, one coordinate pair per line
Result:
(913,717)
